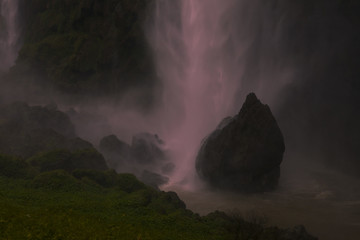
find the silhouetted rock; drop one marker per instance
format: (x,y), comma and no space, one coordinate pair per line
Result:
(146,157)
(147,148)
(89,125)
(168,168)
(297,232)
(153,179)
(116,152)
(37,117)
(244,153)
(28,131)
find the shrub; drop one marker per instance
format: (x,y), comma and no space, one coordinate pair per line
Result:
(167,202)
(13,167)
(56,180)
(129,183)
(88,158)
(68,161)
(52,160)
(103,178)
(141,198)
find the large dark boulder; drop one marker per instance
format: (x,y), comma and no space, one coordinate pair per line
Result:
(244,153)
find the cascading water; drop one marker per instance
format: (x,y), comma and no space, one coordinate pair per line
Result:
(209,54)
(201,50)
(198,91)
(9,33)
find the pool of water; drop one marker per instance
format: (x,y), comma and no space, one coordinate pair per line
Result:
(327,203)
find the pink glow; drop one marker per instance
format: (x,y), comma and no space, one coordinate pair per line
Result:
(201,51)
(9,36)
(200,77)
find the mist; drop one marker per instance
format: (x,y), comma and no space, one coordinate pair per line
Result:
(299,58)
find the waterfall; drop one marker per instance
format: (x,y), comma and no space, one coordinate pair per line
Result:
(9,33)
(204,53)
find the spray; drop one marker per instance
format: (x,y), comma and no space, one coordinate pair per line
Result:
(9,33)
(201,51)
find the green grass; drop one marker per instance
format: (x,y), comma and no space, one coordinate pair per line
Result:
(43,203)
(94,212)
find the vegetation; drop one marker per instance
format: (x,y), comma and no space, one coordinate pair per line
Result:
(85,46)
(91,204)
(46,138)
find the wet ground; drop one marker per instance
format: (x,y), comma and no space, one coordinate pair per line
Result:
(327,203)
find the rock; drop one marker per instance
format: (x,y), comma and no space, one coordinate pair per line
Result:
(147,149)
(28,131)
(37,117)
(244,153)
(153,179)
(168,168)
(88,124)
(146,158)
(115,151)
(297,232)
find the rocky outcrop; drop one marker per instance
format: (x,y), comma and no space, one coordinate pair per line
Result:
(297,232)
(47,137)
(153,179)
(147,148)
(244,153)
(115,151)
(37,117)
(146,157)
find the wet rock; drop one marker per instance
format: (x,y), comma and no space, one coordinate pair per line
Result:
(37,117)
(89,125)
(147,148)
(153,179)
(168,168)
(298,232)
(244,153)
(115,151)
(28,131)
(146,157)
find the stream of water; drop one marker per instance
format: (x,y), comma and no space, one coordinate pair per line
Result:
(9,33)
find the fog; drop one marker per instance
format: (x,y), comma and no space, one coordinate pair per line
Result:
(299,58)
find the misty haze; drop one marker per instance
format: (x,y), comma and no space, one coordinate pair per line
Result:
(181,119)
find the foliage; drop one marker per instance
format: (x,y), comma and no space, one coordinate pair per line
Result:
(68,160)
(87,46)
(103,178)
(91,204)
(60,208)
(110,179)
(128,183)
(13,167)
(56,180)
(28,130)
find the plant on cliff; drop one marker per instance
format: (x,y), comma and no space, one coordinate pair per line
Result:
(85,46)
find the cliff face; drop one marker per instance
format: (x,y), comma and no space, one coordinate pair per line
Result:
(85,46)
